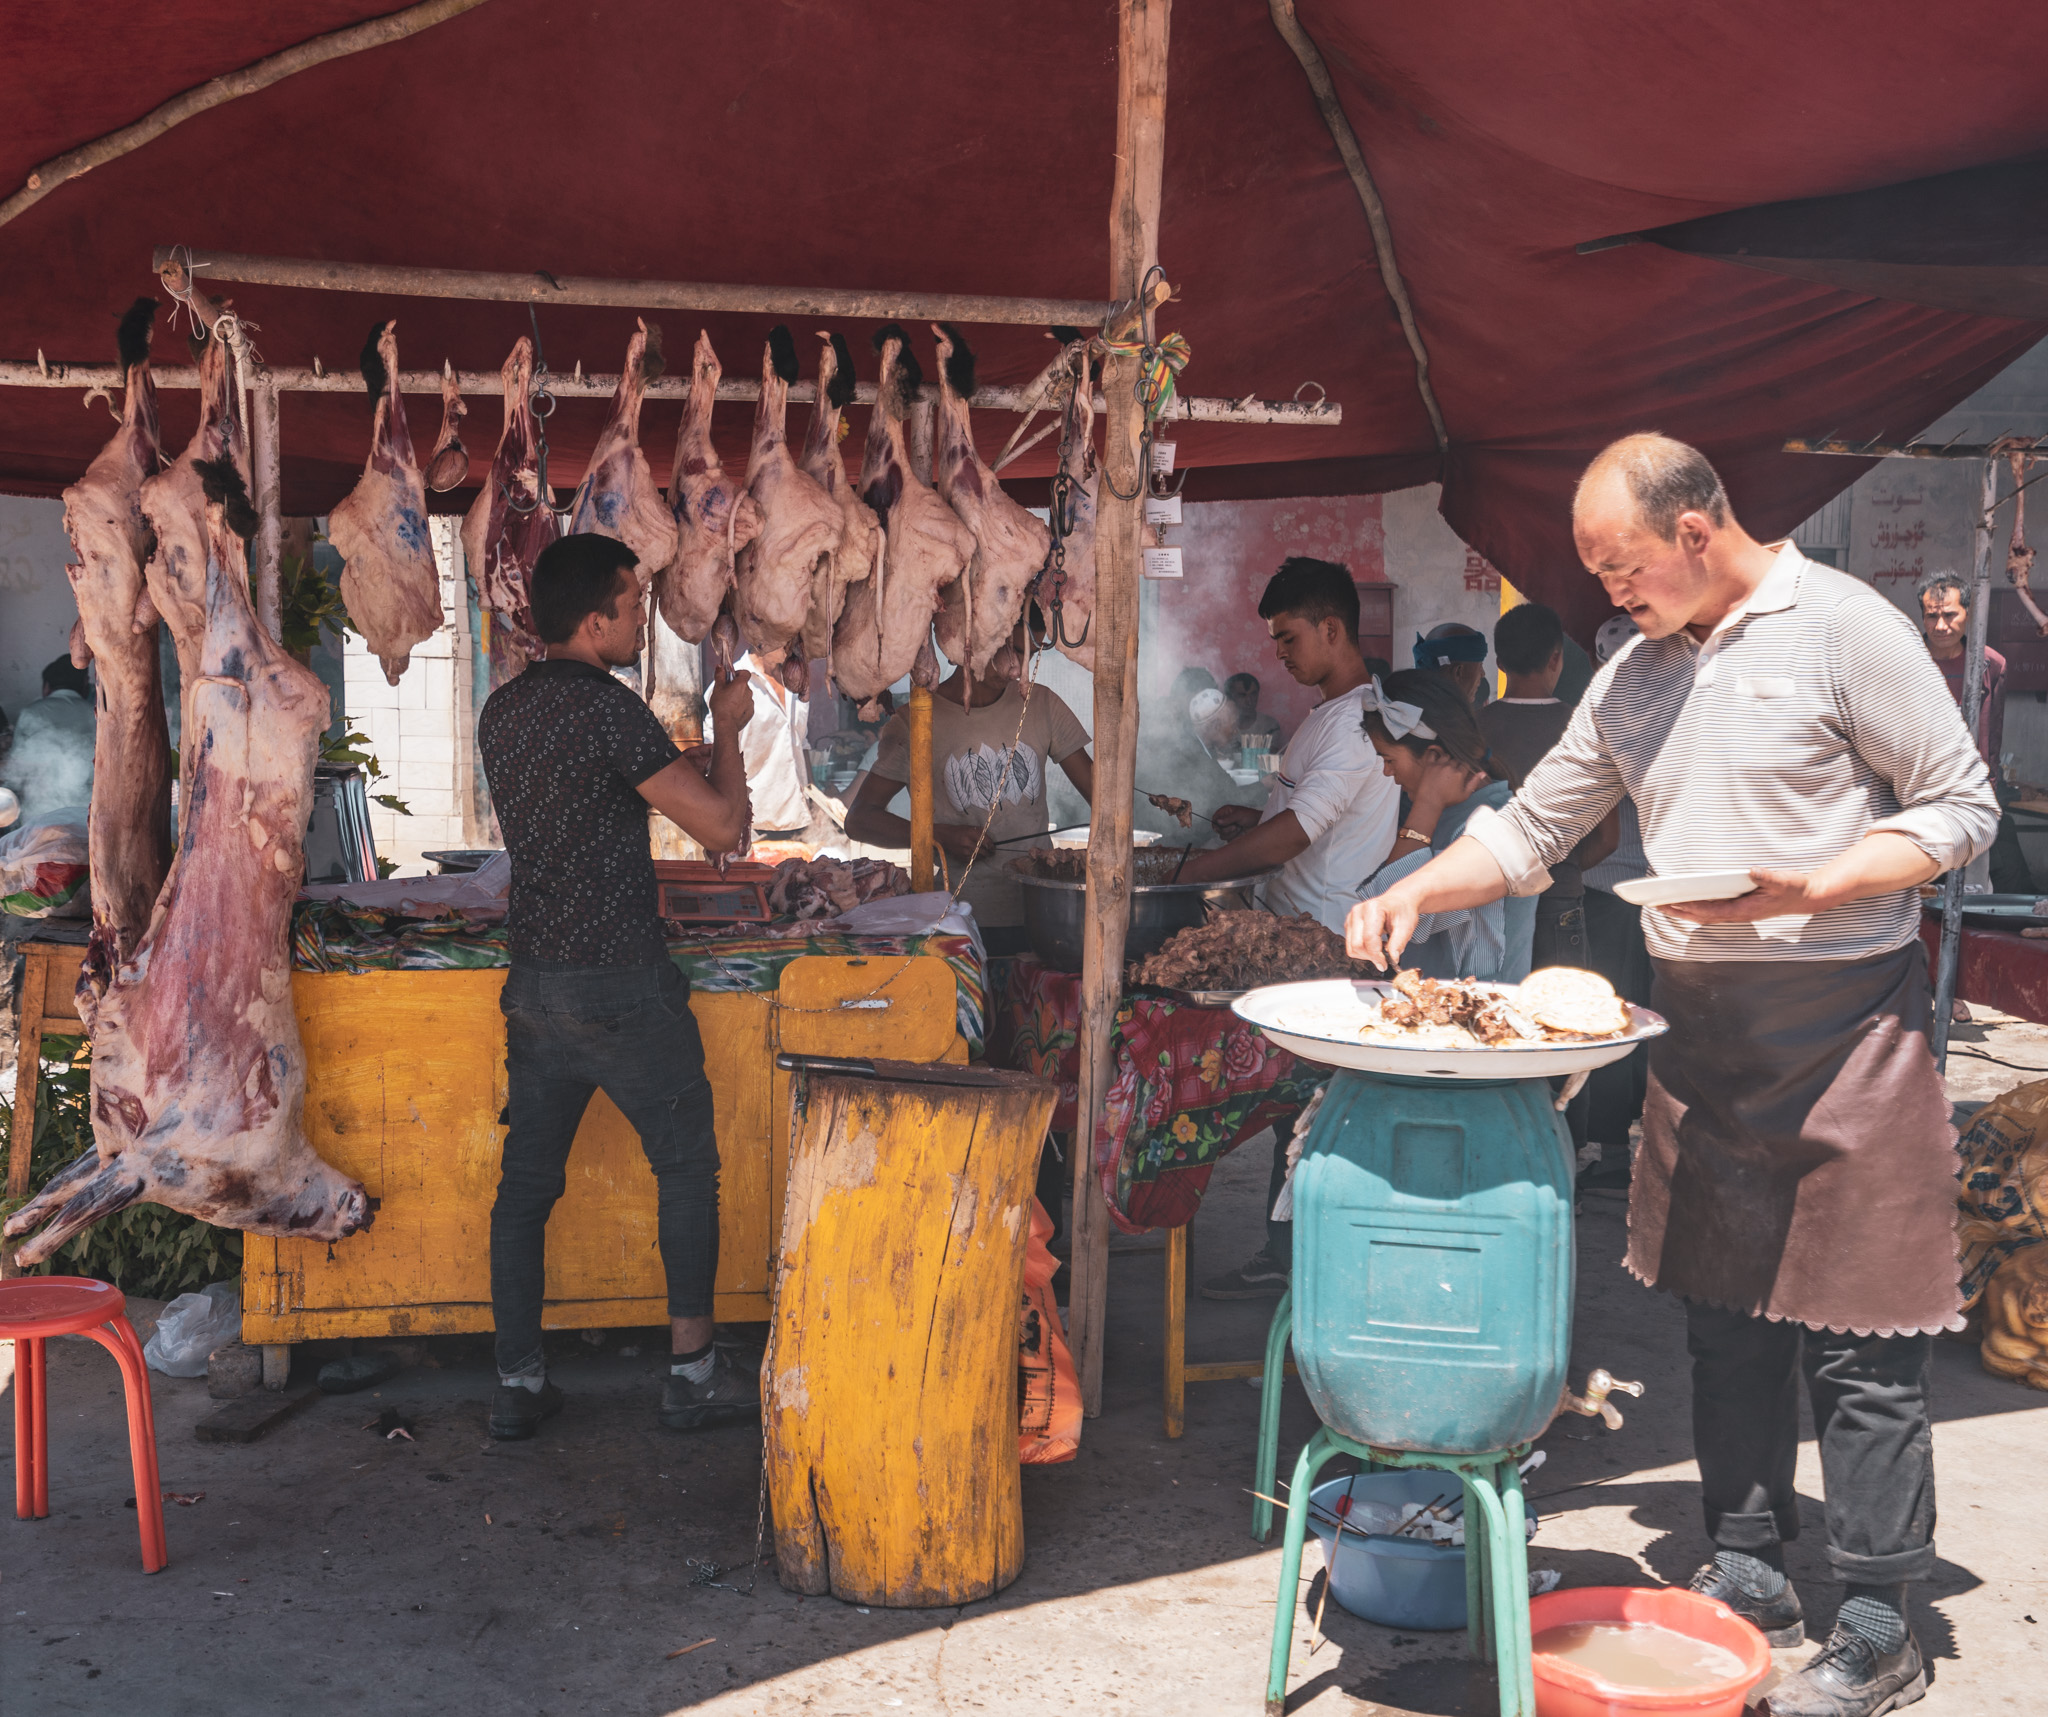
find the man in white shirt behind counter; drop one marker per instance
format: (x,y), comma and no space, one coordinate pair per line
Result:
(1329,824)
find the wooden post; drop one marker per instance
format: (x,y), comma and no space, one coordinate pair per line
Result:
(1174,1330)
(1134,247)
(920,789)
(265,458)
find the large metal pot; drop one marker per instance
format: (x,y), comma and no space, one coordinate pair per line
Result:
(1054,910)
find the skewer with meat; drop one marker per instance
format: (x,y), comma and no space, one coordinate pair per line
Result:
(617,497)
(129,824)
(174,507)
(981,608)
(448,464)
(390,585)
(511,521)
(715,517)
(860,532)
(800,524)
(198,1074)
(884,628)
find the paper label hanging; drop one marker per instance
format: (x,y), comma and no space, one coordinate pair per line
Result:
(1161,563)
(1162,458)
(1162,509)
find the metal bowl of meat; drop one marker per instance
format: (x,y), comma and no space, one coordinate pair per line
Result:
(1056,902)
(1341,1022)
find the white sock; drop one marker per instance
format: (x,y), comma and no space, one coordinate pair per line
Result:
(536,1384)
(697,1370)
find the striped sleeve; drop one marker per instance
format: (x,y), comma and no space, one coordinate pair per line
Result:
(1573,786)
(1904,724)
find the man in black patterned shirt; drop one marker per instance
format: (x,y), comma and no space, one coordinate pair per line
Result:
(593,1001)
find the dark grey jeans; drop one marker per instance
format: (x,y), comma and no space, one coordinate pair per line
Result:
(1869,1395)
(569,1033)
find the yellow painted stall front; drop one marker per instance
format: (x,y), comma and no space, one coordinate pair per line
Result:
(405,1086)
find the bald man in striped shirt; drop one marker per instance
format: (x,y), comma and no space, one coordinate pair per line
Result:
(1796,1181)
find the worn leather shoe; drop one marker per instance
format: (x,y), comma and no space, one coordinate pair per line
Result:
(1259,1277)
(731,1395)
(517,1411)
(1780,1620)
(1850,1677)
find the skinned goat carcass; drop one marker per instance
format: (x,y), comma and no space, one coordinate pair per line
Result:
(511,521)
(198,1074)
(981,608)
(715,517)
(888,618)
(390,585)
(129,823)
(800,523)
(618,497)
(860,533)
(448,464)
(174,507)
(1068,595)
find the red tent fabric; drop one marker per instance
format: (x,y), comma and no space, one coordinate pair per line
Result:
(927,145)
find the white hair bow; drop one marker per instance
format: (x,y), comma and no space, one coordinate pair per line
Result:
(1402,719)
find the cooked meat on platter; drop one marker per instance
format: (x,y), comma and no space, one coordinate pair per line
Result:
(1559,1004)
(1241,950)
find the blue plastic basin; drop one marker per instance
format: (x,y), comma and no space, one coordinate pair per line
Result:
(1396,1582)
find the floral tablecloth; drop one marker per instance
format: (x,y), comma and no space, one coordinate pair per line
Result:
(335,936)
(1190,1084)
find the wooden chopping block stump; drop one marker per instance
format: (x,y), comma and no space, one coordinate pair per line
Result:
(890,1394)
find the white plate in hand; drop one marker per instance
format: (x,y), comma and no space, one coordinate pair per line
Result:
(1687,885)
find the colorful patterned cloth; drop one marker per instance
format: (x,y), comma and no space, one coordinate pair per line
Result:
(333,936)
(1190,1084)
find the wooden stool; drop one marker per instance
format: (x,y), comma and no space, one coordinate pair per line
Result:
(35,1308)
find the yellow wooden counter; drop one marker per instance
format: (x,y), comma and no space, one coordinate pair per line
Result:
(405,1085)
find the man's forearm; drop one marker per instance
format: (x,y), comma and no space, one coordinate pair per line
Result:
(1463,874)
(874,827)
(1272,843)
(1880,863)
(728,776)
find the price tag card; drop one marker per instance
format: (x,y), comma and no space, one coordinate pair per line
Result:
(1162,509)
(1162,458)
(1161,563)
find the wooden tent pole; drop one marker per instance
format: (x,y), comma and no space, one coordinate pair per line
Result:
(1142,33)
(921,789)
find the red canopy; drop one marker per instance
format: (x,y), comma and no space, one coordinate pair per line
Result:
(932,146)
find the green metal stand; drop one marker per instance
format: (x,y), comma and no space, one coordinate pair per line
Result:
(1496,1560)
(1274,1381)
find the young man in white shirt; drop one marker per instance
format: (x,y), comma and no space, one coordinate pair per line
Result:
(1329,824)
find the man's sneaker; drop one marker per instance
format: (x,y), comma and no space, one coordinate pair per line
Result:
(1850,1677)
(1259,1277)
(731,1395)
(1780,1620)
(517,1411)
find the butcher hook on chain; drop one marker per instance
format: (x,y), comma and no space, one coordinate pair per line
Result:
(1159,363)
(1052,577)
(541,402)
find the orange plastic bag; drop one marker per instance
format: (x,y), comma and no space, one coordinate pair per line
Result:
(1048,1392)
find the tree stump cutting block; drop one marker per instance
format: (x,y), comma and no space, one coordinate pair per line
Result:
(890,1398)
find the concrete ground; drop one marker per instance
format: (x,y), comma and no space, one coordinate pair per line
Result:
(328,1569)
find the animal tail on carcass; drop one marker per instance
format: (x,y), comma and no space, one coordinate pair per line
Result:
(198,1073)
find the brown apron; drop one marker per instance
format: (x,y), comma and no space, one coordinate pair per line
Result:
(1797,1156)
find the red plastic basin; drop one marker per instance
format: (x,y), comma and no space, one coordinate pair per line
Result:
(1565,1690)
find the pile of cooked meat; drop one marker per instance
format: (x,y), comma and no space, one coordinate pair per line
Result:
(1241,950)
(1560,1004)
(1419,1002)
(825,887)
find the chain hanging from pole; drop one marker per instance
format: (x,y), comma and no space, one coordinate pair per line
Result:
(541,402)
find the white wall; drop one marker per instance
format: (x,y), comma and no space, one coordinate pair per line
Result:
(36,608)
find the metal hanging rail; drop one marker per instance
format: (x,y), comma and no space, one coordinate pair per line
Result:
(15,372)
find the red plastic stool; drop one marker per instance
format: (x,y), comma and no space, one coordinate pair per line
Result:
(34,1308)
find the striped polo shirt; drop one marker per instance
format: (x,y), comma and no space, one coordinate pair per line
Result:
(1811,716)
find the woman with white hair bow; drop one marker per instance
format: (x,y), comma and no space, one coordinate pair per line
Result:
(1430,743)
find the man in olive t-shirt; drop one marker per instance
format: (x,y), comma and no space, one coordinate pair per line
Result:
(981,756)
